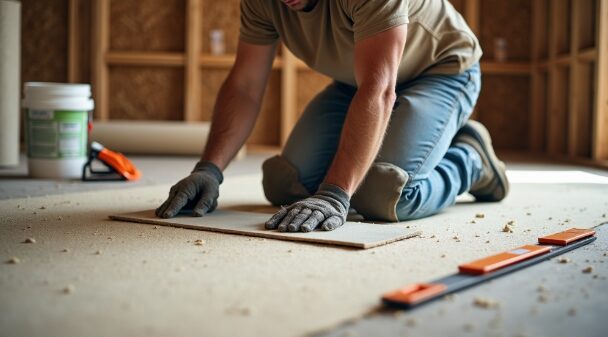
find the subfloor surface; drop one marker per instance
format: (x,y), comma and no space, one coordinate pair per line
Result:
(88,275)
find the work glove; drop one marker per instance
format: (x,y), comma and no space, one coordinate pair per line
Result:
(328,208)
(198,191)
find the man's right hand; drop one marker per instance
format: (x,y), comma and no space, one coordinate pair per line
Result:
(198,191)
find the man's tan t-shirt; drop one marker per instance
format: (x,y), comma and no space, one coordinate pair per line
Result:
(438,39)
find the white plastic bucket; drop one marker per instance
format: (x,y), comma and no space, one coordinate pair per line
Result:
(56,128)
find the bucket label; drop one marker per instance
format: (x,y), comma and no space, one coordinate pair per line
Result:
(56,134)
(41,114)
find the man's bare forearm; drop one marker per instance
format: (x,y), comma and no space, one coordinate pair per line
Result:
(234,116)
(362,135)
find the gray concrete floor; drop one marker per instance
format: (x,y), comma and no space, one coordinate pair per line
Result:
(549,299)
(15,183)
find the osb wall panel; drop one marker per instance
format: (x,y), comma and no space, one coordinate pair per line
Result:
(557,113)
(44,40)
(459,5)
(587,26)
(224,15)
(146,93)
(510,20)
(84,42)
(504,108)
(561,27)
(309,84)
(267,128)
(151,25)
(584,108)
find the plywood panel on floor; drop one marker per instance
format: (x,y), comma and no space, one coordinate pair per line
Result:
(351,234)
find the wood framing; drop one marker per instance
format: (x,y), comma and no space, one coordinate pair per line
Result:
(537,101)
(74,41)
(575,80)
(193,51)
(562,82)
(99,48)
(600,118)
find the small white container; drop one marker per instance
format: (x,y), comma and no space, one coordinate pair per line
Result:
(217,44)
(56,128)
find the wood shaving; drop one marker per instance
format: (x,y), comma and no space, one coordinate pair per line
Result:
(480,215)
(199,242)
(411,322)
(543,298)
(563,260)
(588,270)
(541,288)
(485,303)
(60,218)
(572,312)
(65,250)
(511,223)
(528,213)
(69,289)
(507,229)
(449,297)
(487,241)
(155,227)
(30,240)
(99,252)
(443,255)
(469,327)
(13,260)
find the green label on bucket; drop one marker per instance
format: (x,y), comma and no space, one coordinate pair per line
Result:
(56,134)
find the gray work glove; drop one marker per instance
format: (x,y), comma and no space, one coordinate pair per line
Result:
(198,191)
(327,208)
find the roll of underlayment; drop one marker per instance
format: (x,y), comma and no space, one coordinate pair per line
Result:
(152,137)
(10,35)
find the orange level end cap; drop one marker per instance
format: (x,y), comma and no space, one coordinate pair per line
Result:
(494,262)
(415,293)
(566,237)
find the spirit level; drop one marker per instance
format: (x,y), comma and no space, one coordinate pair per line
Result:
(491,267)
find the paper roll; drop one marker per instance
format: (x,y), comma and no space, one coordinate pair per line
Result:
(10,50)
(152,137)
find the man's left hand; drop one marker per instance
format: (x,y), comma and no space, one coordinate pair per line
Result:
(328,209)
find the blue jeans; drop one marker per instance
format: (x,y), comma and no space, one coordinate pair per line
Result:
(428,112)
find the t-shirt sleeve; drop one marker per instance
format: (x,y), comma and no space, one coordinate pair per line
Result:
(375,16)
(256,25)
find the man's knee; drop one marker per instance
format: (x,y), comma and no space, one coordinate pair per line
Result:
(378,195)
(281,182)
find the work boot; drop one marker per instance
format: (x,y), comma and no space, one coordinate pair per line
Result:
(492,184)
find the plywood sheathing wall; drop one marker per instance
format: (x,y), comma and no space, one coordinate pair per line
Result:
(524,101)
(45,40)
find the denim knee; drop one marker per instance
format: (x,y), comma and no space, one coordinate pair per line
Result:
(281,183)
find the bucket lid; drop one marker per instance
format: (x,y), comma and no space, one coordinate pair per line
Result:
(57,89)
(64,96)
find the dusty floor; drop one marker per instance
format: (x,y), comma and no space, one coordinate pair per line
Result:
(87,275)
